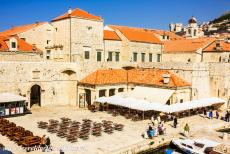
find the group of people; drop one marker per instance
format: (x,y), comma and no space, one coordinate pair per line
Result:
(155,128)
(153,131)
(210,114)
(45,143)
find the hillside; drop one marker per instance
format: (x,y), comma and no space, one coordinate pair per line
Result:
(222,23)
(223,18)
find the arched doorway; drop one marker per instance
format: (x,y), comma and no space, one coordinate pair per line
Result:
(35,95)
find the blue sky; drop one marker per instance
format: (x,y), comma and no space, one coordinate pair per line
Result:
(139,13)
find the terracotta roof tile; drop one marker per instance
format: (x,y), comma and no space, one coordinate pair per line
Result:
(171,35)
(22,45)
(111,35)
(151,77)
(225,46)
(137,34)
(78,13)
(186,45)
(19,29)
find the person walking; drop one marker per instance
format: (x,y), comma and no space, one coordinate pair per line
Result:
(217,114)
(210,114)
(227,116)
(175,122)
(186,129)
(152,119)
(205,112)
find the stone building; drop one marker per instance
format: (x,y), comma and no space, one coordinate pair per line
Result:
(80,34)
(218,51)
(186,50)
(192,30)
(134,45)
(39,34)
(166,35)
(109,82)
(13,48)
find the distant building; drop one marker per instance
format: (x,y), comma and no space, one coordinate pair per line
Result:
(185,50)
(192,30)
(218,51)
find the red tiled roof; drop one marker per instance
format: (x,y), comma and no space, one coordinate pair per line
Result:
(111,35)
(224,46)
(78,13)
(186,45)
(19,29)
(137,34)
(151,77)
(172,36)
(22,45)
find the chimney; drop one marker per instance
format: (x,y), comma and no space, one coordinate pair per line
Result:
(166,78)
(218,46)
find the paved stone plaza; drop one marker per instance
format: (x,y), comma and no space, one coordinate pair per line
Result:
(107,143)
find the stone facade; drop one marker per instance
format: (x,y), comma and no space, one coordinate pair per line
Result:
(127,49)
(20,56)
(58,81)
(84,35)
(41,36)
(182,57)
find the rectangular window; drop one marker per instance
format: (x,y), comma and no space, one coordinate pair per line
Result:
(158,57)
(13,44)
(143,57)
(110,56)
(135,57)
(47,54)
(102,93)
(99,56)
(150,57)
(117,56)
(48,42)
(86,54)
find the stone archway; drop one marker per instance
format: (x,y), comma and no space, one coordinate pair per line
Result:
(35,95)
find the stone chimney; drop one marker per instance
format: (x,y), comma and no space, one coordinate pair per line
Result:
(218,46)
(166,78)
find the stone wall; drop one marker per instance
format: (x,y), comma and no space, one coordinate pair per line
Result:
(58,81)
(57,87)
(20,56)
(181,57)
(216,56)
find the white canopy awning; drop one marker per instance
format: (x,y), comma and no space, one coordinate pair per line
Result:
(9,97)
(145,105)
(151,94)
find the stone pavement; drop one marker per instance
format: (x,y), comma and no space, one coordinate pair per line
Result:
(129,137)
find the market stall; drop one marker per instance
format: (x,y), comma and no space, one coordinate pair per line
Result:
(11,104)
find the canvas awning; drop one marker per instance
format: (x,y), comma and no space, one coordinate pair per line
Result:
(151,94)
(9,97)
(145,105)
